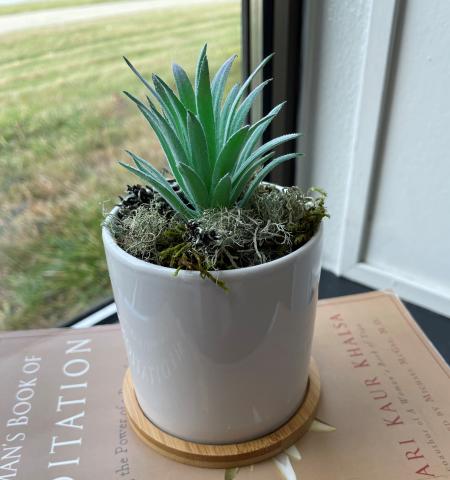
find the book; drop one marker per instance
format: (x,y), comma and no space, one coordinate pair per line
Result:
(384,411)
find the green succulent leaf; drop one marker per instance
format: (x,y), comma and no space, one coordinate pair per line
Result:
(173,108)
(226,113)
(205,110)
(227,159)
(259,177)
(197,188)
(218,84)
(242,91)
(175,153)
(215,160)
(199,149)
(165,191)
(241,114)
(266,147)
(242,177)
(222,192)
(255,133)
(147,167)
(149,100)
(141,78)
(201,57)
(184,87)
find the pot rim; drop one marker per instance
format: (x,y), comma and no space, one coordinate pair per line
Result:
(143,266)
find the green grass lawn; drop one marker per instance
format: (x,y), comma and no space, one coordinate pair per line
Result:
(46,5)
(63,126)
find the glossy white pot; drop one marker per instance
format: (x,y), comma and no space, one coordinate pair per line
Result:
(213,366)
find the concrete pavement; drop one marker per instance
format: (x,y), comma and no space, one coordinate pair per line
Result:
(45,18)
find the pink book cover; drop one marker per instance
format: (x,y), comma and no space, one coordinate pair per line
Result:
(384,411)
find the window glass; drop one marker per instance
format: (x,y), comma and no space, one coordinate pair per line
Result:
(64,124)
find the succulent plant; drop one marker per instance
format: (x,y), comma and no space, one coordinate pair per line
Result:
(214,156)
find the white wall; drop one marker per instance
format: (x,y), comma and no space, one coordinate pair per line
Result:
(414,181)
(378,129)
(335,68)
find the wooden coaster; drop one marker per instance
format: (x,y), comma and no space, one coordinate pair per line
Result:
(229,455)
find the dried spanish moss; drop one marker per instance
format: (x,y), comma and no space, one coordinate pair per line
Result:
(275,223)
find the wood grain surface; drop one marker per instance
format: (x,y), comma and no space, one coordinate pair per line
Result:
(228,455)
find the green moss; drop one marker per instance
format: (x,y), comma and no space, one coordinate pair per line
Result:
(170,239)
(276,222)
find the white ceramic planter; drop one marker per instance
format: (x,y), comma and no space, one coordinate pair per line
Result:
(213,366)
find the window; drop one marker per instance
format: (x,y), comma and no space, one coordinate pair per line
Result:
(64,125)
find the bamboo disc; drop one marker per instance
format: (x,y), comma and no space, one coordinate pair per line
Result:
(227,455)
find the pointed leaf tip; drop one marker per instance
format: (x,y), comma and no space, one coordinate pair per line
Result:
(231,473)
(320,426)
(284,465)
